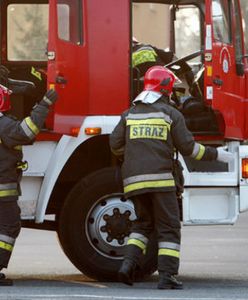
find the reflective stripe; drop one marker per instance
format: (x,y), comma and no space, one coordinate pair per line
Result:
(6,186)
(149,122)
(147,177)
(9,193)
(7,239)
(149,116)
(36,73)
(47,100)
(29,127)
(8,189)
(143,55)
(169,245)
(169,252)
(137,243)
(149,184)
(198,151)
(1,114)
(18,147)
(6,246)
(139,236)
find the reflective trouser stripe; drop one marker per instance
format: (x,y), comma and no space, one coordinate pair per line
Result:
(139,236)
(149,184)
(7,239)
(8,189)
(29,127)
(169,252)
(7,193)
(198,151)
(169,245)
(6,246)
(137,243)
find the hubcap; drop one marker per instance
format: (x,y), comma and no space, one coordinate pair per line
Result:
(109,224)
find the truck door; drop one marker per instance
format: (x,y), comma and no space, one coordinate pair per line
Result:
(66,52)
(88,59)
(224,76)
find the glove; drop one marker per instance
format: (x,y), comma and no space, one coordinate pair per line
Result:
(224,156)
(50,97)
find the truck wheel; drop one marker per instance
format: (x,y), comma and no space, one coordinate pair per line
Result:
(94,225)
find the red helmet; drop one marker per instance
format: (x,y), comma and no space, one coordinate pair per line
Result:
(159,79)
(4,98)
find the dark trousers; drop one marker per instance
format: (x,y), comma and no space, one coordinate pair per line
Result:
(159,211)
(10,226)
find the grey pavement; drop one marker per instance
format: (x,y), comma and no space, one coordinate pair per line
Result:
(214,265)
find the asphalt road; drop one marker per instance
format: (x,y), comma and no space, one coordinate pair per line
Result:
(214,265)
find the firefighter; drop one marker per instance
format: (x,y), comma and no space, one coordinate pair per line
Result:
(14,134)
(145,56)
(147,136)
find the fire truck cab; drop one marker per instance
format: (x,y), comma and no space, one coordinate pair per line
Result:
(83,49)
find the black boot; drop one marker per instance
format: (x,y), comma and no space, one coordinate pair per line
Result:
(168,281)
(5,281)
(126,272)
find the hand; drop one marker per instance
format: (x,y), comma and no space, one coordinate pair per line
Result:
(50,97)
(224,156)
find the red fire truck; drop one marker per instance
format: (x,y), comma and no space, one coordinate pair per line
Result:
(83,49)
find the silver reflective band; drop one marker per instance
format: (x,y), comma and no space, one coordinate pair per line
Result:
(138,236)
(169,245)
(47,100)
(1,114)
(149,116)
(147,177)
(7,239)
(195,150)
(8,186)
(29,133)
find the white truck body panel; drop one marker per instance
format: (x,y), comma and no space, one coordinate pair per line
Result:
(209,197)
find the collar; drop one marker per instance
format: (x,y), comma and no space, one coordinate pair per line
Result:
(147,97)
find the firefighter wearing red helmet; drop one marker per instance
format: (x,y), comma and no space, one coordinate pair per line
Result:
(14,134)
(147,136)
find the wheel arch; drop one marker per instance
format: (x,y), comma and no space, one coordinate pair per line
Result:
(93,154)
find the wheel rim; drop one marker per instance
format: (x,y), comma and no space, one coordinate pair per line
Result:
(108,225)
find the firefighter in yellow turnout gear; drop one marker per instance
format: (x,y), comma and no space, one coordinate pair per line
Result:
(147,135)
(14,134)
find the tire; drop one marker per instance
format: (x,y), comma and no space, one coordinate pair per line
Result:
(94,225)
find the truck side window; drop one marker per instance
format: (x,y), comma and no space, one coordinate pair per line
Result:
(238,33)
(244,9)
(27,32)
(221,20)
(187,31)
(70,21)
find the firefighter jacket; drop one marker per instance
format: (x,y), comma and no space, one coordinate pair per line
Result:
(146,56)
(147,135)
(14,134)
